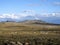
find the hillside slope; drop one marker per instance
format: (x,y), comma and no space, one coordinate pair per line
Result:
(28,25)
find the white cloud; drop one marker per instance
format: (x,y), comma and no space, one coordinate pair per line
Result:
(29,13)
(1,17)
(20,15)
(13,16)
(50,15)
(56,3)
(53,14)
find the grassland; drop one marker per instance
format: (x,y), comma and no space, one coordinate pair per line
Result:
(33,33)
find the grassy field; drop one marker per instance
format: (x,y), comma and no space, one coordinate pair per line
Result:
(34,34)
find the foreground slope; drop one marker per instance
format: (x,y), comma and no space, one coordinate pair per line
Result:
(31,31)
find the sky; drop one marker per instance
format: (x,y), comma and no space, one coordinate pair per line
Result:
(39,6)
(25,7)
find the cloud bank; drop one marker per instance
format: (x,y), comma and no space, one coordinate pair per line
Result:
(30,13)
(13,16)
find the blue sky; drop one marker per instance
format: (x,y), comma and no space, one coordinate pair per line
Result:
(17,6)
(44,9)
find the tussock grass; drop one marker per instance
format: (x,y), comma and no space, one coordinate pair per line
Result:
(22,32)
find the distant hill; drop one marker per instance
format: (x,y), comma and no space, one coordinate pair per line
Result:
(37,22)
(33,21)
